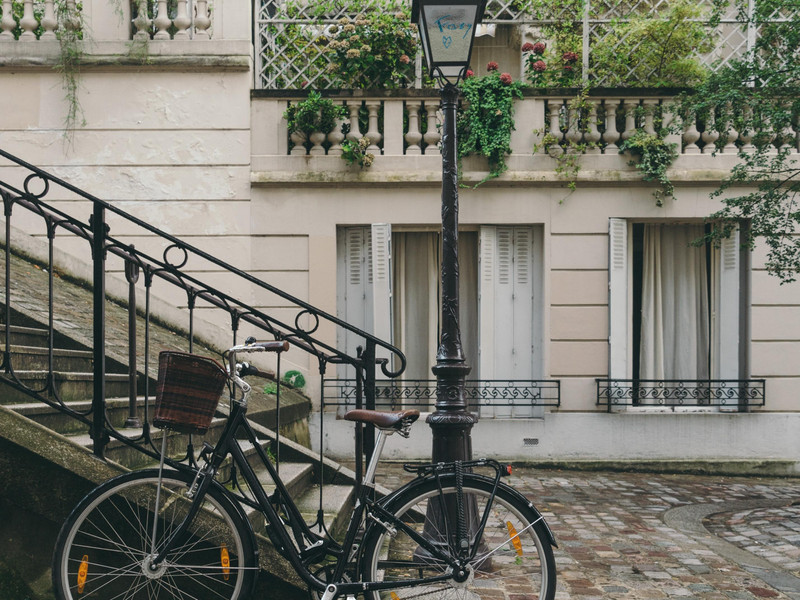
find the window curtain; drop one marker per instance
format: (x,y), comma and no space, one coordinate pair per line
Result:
(416,300)
(675,304)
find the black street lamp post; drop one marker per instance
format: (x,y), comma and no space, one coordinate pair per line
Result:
(447,31)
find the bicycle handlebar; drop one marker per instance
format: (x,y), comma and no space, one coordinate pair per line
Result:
(249,370)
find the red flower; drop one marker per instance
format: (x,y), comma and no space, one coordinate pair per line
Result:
(539,66)
(569,68)
(506,78)
(570,57)
(304,84)
(539,48)
(492,66)
(469,73)
(405,59)
(527,47)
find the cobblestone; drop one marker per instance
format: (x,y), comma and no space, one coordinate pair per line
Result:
(614,543)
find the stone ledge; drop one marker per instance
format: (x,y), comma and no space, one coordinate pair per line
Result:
(210,55)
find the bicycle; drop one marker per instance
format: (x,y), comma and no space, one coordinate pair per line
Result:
(179,532)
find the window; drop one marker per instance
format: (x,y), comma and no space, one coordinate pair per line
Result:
(499,297)
(675,308)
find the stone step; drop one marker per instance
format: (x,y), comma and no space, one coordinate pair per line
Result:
(27,336)
(337,506)
(117,410)
(297,477)
(36,358)
(70,386)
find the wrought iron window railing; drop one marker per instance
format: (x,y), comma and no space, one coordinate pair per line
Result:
(501,398)
(723,394)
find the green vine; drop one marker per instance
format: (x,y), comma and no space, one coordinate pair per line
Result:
(568,156)
(315,113)
(354,152)
(70,37)
(653,155)
(486,119)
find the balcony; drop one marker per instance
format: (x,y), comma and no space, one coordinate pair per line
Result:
(497,399)
(405,123)
(716,394)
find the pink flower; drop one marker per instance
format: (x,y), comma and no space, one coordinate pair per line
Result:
(527,47)
(492,66)
(570,57)
(469,73)
(539,66)
(539,48)
(506,78)
(405,59)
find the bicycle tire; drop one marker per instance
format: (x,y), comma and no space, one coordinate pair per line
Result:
(104,546)
(525,570)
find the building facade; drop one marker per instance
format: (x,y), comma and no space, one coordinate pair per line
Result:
(595,331)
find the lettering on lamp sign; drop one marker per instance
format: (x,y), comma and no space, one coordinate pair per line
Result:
(449,26)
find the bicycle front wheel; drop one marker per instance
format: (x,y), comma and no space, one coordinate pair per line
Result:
(513,557)
(105,548)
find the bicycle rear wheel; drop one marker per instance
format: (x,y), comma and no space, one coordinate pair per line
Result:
(513,558)
(105,548)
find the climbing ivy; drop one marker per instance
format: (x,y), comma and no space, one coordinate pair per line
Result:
(486,120)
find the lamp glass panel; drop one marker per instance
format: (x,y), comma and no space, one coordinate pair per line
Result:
(450,30)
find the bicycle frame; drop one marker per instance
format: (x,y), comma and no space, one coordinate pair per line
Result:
(295,550)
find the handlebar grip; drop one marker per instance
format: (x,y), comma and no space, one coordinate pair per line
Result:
(277,346)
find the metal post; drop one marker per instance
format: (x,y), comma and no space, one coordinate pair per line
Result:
(450,423)
(132,276)
(99,229)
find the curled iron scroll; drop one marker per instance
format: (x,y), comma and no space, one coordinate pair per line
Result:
(181,249)
(27,185)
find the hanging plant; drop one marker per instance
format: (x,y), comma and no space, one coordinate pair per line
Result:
(315,113)
(653,155)
(486,119)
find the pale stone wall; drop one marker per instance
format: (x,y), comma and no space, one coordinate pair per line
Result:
(179,142)
(313,196)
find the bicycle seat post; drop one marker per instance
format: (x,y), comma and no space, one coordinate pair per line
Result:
(372,467)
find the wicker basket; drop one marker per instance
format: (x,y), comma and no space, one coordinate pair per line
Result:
(188,391)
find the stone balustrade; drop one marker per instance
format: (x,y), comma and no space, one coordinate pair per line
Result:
(393,126)
(40,21)
(545,125)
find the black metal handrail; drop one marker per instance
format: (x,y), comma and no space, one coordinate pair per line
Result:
(733,394)
(173,267)
(513,394)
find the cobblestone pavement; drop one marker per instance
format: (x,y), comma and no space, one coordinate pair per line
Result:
(728,537)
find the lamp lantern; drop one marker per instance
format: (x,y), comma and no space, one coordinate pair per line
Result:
(447,31)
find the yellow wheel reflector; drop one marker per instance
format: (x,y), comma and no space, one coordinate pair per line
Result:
(225,559)
(83,571)
(514,538)
(394,596)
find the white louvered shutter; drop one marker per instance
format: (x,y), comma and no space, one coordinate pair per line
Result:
(506,308)
(381,251)
(728,321)
(619,364)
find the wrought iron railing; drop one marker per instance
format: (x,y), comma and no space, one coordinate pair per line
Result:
(501,398)
(168,262)
(723,394)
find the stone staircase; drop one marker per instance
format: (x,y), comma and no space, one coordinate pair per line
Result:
(301,470)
